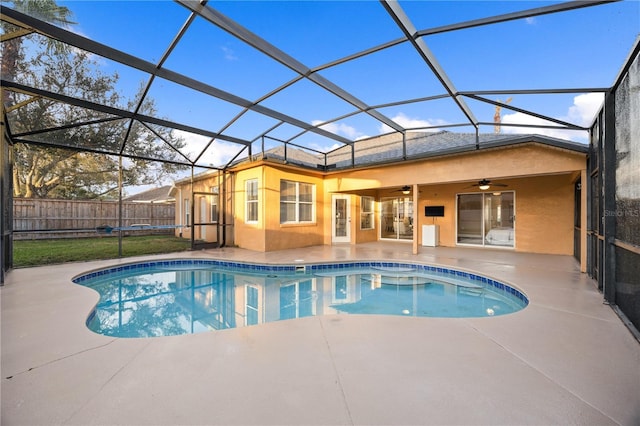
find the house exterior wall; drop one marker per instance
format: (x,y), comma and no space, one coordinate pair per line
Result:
(541,176)
(283,236)
(543,209)
(250,235)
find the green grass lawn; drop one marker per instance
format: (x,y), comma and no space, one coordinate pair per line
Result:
(46,252)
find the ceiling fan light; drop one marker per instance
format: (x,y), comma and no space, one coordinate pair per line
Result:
(484,187)
(406,191)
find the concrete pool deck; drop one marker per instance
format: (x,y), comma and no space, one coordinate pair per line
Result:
(565,359)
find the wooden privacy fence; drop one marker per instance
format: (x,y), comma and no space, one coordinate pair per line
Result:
(47,218)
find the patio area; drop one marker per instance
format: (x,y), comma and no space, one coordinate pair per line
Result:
(565,359)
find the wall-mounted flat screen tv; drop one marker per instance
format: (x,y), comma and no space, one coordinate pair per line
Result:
(434,211)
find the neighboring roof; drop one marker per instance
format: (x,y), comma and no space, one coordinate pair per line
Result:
(155,195)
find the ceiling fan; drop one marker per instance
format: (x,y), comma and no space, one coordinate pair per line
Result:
(485,184)
(406,190)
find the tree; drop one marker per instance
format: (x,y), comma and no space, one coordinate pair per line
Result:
(52,172)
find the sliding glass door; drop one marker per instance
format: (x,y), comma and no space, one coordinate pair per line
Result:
(396,218)
(486,219)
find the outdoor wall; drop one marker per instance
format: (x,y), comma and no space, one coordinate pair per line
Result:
(543,209)
(268,234)
(508,162)
(542,176)
(284,236)
(362,235)
(251,236)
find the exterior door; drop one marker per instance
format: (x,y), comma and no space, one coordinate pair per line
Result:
(486,219)
(341,214)
(396,218)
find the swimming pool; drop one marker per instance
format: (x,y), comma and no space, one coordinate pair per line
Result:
(183,296)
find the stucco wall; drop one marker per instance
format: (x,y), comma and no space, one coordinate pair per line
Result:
(541,176)
(249,235)
(283,236)
(543,209)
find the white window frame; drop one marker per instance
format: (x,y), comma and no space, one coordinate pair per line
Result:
(299,203)
(187,213)
(248,202)
(297,300)
(370,214)
(248,307)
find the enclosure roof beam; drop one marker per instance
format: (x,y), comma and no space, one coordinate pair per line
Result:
(404,23)
(110,53)
(116,111)
(524,111)
(276,54)
(529,13)
(535,91)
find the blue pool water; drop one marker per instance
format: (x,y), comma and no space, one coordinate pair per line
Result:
(185,296)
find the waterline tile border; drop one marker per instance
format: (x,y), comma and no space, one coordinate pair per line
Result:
(308,268)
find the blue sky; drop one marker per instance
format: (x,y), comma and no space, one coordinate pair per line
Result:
(575,49)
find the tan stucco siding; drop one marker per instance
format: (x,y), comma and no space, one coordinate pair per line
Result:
(541,176)
(545,215)
(279,236)
(515,161)
(249,235)
(543,209)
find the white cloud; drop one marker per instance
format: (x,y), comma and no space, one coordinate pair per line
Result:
(584,108)
(342,129)
(531,20)
(218,153)
(412,123)
(581,113)
(229,54)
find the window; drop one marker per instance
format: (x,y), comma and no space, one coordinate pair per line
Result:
(251,306)
(251,194)
(214,204)
(296,202)
(366,213)
(187,213)
(296,300)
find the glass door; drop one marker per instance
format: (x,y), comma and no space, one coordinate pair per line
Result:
(486,219)
(341,225)
(499,216)
(470,219)
(396,218)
